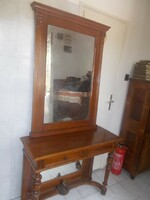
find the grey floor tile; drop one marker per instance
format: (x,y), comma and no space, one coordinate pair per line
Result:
(73,195)
(119,188)
(95,196)
(86,190)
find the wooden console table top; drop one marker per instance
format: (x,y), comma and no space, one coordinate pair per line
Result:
(52,151)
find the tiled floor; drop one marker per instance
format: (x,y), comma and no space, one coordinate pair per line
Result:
(119,188)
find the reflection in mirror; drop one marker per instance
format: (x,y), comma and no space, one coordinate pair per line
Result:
(69,65)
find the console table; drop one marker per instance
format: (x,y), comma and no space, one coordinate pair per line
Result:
(48,152)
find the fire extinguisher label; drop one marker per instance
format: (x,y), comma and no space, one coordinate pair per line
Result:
(118,161)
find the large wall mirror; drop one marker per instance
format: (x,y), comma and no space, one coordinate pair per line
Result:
(69,66)
(68,53)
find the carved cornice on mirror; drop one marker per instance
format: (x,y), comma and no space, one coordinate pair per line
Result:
(64,112)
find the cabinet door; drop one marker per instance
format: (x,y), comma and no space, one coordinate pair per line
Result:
(137,108)
(144,162)
(135,121)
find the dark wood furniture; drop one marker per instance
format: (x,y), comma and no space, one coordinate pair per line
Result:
(136,127)
(58,143)
(51,151)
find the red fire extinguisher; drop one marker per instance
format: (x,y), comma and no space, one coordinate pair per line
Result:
(119,155)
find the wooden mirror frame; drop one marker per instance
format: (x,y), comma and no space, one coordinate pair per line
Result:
(44,16)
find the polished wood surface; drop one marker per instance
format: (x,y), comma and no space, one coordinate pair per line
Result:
(79,144)
(135,127)
(48,152)
(54,144)
(44,16)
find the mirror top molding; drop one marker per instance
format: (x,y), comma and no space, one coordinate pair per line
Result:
(87,40)
(42,9)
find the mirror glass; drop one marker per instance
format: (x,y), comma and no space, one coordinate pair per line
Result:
(69,64)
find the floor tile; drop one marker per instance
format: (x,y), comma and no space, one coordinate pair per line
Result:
(145,196)
(86,190)
(119,188)
(100,179)
(57,197)
(131,188)
(124,175)
(95,196)
(73,195)
(120,192)
(145,177)
(141,184)
(110,195)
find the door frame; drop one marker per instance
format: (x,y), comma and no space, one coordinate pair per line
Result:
(100,161)
(83,6)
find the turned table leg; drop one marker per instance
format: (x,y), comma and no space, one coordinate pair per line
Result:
(26,179)
(36,186)
(107,171)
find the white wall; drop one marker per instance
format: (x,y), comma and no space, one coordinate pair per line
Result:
(76,63)
(137,46)
(16,71)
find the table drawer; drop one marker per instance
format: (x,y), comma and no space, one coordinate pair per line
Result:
(101,149)
(66,158)
(72,156)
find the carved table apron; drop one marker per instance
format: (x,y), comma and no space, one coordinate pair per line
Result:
(48,152)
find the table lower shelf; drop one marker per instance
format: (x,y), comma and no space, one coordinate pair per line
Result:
(34,189)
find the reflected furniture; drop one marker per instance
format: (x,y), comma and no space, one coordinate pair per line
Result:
(136,127)
(71,99)
(55,142)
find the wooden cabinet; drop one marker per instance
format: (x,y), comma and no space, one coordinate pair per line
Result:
(136,127)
